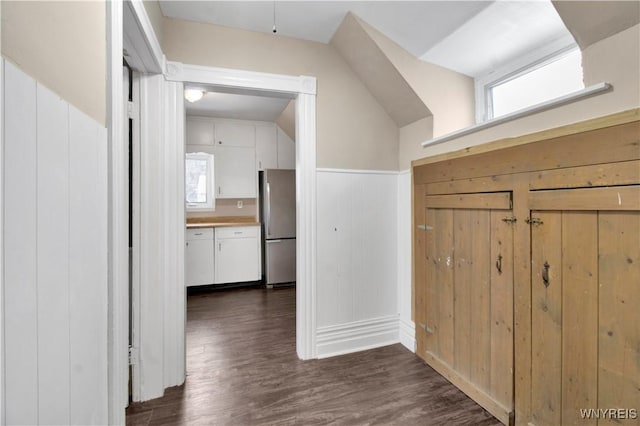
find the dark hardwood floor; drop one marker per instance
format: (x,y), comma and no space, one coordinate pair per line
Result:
(242,369)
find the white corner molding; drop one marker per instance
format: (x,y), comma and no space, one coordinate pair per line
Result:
(543,106)
(2,351)
(407,331)
(118,226)
(357,172)
(247,80)
(357,336)
(140,41)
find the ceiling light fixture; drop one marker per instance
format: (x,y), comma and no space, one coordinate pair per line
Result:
(275,30)
(193,95)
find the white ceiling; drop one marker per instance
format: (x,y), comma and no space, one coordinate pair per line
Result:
(471,37)
(242,107)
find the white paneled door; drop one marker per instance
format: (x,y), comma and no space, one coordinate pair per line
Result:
(55,222)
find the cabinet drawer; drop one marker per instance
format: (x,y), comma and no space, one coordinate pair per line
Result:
(199,234)
(238,232)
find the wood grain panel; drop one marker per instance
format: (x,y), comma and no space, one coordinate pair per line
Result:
(480,293)
(463,276)
(579,321)
(497,200)
(496,183)
(546,320)
(53,258)
(622,173)
(611,198)
(599,146)
(619,327)
(501,309)
(418,270)
(427,291)
(20,248)
(444,277)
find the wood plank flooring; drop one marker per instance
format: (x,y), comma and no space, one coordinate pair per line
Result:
(242,369)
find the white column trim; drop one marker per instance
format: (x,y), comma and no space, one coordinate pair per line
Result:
(2,367)
(118,222)
(306,344)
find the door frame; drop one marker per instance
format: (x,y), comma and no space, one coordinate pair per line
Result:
(303,90)
(140,35)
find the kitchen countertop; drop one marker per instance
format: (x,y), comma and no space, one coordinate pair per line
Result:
(220,222)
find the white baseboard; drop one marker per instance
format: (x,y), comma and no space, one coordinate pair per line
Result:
(357,336)
(407,334)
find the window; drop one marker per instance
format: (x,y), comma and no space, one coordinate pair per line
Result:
(199,181)
(542,81)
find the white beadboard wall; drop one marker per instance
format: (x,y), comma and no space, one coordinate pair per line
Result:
(407,327)
(160,322)
(55,257)
(357,260)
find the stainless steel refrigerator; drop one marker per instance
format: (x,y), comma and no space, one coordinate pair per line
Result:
(278,217)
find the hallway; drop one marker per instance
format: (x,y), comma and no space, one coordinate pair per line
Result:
(242,369)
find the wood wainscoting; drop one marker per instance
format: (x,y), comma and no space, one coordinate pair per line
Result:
(527,271)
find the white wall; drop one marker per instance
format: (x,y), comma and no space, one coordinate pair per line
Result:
(407,326)
(55,276)
(357,261)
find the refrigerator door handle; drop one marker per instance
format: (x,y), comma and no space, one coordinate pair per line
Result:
(273,241)
(268,209)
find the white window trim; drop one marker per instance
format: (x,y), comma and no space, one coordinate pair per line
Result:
(522,65)
(211,203)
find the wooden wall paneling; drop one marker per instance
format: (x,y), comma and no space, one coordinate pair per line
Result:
(462,301)
(608,198)
(579,318)
(471,185)
(632,115)
(522,304)
(598,146)
(445,279)
(53,257)
(20,243)
(546,320)
(419,221)
(427,316)
(480,293)
(88,272)
(501,308)
(620,173)
(492,200)
(619,328)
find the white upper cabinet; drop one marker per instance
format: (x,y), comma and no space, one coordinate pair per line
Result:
(266,147)
(199,131)
(286,151)
(235,134)
(235,172)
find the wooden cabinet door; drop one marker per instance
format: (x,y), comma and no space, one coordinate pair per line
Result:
(266,148)
(585,288)
(199,131)
(235,134)
(464,310)
(237,257)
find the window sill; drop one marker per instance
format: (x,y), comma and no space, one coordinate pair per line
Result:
(572,97)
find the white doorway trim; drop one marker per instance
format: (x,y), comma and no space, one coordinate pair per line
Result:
(303,89)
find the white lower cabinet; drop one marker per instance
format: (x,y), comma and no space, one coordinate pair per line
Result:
(199,257)
(237,254)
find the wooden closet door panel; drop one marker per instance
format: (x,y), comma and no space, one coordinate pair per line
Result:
(546,319)
(579,315)
(480,294)
(501,309)
(444,278)
(428,295)
(619,327)
(463,275)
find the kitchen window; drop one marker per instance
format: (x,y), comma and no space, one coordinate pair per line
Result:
(199,181)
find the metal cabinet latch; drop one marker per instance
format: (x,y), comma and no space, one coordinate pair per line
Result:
(511,219)
(533,221)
